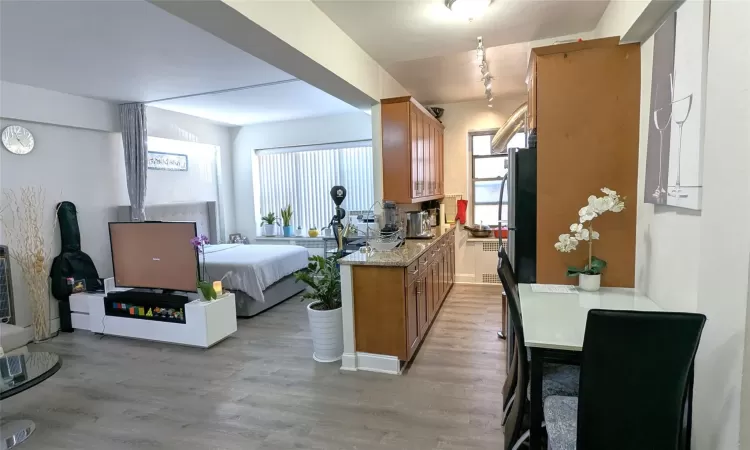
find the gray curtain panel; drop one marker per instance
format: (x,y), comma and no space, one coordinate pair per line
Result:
(134,134)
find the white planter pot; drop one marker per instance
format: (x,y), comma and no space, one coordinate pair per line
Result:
(269,230)
(589,283)
(327,333)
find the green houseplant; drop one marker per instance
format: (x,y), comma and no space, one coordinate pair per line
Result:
(286,217)
(205,286)
(324,312)
(268,222)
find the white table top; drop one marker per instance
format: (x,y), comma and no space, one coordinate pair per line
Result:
(558,321)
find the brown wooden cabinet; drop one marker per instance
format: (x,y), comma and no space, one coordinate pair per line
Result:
(412,317)
(412,152)
(394,307)
(584,102)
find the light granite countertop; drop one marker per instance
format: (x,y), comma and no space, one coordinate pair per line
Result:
(399,257)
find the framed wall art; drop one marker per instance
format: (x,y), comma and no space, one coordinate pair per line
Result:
(167,161)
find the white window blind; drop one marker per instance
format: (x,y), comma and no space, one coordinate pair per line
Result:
(303,177)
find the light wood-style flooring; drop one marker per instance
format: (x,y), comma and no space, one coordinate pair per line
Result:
(261,389)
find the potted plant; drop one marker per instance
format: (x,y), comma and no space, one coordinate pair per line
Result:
(286,217)
(205,288)
(312,232)
(324,313)
(589,277)
(268,222)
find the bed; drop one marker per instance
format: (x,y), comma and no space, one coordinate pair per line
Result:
(260,276)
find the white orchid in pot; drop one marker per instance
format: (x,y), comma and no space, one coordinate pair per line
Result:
(589,277)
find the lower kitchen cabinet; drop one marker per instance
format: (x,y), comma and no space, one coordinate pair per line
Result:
(394,307)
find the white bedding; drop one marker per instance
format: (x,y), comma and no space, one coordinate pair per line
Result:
(253,267)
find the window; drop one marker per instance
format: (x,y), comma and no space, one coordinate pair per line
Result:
(487,172)
(304,176)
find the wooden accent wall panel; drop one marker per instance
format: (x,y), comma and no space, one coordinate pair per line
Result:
(587,111)
(380,310)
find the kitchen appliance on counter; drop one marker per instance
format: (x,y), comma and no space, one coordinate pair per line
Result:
(390,217)
(418,225)
(432,208)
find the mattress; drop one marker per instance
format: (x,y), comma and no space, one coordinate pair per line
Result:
(253,268)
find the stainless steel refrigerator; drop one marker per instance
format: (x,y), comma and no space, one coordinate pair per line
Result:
(520,185)
(518,188)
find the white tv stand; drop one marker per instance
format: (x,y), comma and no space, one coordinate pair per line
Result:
(206,323)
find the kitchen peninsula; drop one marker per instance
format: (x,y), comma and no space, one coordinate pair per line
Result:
(390,299)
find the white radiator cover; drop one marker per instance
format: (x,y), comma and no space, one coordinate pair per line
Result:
(479,265)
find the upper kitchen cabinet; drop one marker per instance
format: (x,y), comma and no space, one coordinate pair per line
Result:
(412,152)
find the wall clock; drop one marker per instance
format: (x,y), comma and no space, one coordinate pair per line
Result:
(18,139)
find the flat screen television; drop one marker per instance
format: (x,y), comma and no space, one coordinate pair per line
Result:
(155,255)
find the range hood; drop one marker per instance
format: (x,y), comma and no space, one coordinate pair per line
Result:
(509,129)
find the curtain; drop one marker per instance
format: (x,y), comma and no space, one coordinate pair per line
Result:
(134,141)
(303,179)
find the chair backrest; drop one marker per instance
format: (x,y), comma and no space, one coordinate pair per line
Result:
(514,424)
(634,375)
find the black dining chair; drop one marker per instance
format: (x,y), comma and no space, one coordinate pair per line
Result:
(559,379)
(636,373)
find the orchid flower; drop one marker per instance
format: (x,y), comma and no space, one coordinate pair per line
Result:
(611,201)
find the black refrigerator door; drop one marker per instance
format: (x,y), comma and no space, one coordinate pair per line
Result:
(525,218)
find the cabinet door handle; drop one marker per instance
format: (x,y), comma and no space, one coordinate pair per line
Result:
(416,271)
(418,283)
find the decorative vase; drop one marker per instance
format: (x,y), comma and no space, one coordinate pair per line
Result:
(288,231)
(589,283)
(327,333)
(269,230)
(312,233)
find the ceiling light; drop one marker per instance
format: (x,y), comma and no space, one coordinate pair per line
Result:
(484,68)
(468,9)
(490,105)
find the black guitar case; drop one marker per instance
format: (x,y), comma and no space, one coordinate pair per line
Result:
(71,262)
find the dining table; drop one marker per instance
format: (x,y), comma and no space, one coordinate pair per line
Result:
(554,324)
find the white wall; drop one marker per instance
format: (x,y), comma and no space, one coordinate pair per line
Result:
(197,184)
(32,104)
(725,228)
(70,164)
(619,16)
(78,157)
(172,125)
(317,130)
(664,233)
(701,261)
(459,119)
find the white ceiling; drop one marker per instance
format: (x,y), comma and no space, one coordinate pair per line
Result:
(134,51)
(288,101)
(403,30)
(456,77)
(426,47)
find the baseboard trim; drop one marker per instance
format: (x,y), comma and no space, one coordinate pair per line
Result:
(378,363)
(462,278)
(349,362)
(472,283)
